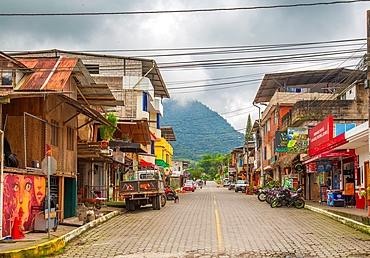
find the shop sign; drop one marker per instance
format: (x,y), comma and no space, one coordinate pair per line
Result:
(281,141)
(297,140)
(329,145)
(321,133)
(272,159)
(231,170)
(299,167)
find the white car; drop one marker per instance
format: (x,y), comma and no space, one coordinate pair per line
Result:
(226,182)
(241,185)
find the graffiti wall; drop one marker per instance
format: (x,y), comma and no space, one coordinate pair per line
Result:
(21,192)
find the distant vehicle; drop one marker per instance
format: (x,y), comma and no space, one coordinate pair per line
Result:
(241,185)
(226,182)
(231,185)
(192,182)
(188,187)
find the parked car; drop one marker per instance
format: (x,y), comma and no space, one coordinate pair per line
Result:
(191,182)
(226,182)
(241,185)
(231,185)
(188,187)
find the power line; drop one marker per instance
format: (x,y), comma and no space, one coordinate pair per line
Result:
(183,11)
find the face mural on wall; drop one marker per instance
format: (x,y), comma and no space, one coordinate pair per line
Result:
(21,192)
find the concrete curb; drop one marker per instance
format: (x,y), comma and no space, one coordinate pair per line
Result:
(52,246)
(346,221)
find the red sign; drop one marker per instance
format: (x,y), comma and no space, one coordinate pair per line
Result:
(321,133)
(329,145)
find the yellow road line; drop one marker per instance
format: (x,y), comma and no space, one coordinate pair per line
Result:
(219,238)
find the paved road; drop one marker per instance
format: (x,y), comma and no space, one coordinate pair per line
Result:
(215,222)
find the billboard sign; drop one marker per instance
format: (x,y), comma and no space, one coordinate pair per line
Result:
(297,140)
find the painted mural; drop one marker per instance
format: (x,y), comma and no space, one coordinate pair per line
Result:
(21,193)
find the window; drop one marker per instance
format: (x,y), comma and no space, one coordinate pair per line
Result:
(264,153)
(267,126)
(158,121)
(70,138)
(152,148)
(276,117)
(92,68)
(145,101)
(54,138)
(6,78)
(342,128)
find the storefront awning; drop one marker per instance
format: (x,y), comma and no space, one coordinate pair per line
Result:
(268,168)
(160,163)
(342,153)
(144,163)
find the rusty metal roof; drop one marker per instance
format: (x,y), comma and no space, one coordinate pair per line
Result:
(316,80)
(49,73)
(53,74)
(10,62)
(149,67)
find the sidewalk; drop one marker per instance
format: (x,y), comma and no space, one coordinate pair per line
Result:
(38,244)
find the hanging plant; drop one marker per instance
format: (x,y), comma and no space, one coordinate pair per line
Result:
(106,132)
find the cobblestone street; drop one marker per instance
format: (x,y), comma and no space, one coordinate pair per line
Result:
(216,222)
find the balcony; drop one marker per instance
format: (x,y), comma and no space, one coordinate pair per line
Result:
(156,106)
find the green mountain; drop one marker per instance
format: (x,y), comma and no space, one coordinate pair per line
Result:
(198,130)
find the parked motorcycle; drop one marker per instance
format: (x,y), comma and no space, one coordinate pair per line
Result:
(171,194)
(288,198)
(262,194)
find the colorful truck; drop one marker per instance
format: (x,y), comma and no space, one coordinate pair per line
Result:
(147,187)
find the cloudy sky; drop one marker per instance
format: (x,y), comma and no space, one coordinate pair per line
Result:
(217,57)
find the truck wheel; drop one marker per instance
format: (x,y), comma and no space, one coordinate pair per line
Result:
(127,205)
(156,202)
(163,200)
(130,205)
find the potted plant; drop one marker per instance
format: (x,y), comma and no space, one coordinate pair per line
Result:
(107,132)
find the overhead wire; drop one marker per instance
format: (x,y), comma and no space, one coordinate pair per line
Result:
(184,11)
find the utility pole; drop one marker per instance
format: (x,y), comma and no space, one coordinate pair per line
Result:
(367,83)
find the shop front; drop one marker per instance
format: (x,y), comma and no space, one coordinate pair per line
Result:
(335,167)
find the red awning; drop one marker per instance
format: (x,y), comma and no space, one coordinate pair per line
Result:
(153,137)
(144,163)
(341,153)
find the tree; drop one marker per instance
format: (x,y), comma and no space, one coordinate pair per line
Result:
(248,130)
(211,164)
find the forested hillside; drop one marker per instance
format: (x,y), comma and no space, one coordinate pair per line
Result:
(199,130)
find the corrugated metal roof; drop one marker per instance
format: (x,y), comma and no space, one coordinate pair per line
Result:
(49,73)
(168,133)
(149,66)
(52,74)
(316,80)
(137,130)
